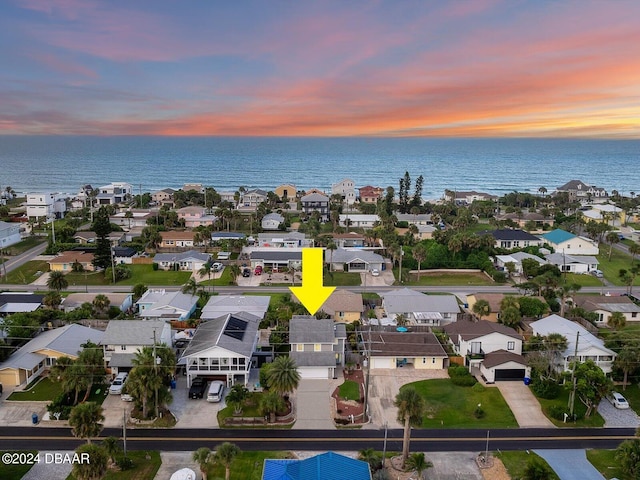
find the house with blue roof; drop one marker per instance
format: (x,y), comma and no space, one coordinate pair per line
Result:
(326,466)
(561,240)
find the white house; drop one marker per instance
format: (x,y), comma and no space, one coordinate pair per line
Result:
(359,220)
(317,346)
(420,309)
(124,338)
(221,305)
(346,189)
(356,260)
(222,347)
(561,240)
(589,346)
(46,205)
(191,260)
(167,305)
(9,234)
(516,258)
(476,340)
(418,350)
(606,213)
(122,301)
(503,365)
(573,263)
(115,192)
(272,221)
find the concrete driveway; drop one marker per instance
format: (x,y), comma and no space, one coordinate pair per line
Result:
(114,409)
(523,404)
(570,464)
(313,410)
(193,413)
(385,385)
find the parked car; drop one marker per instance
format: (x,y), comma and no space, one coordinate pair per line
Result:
(258,270)
(246,272)
(198,387)
(118,383)
(375,272)
(216,391)
(597,273)
(618,400)
(217,266)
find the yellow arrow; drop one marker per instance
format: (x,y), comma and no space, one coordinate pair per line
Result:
(312,294)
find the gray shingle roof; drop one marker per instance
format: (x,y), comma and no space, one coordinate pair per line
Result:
(342,255)
(132,332)
(314,359)
(182,256)
(210,334)
(410,344)
(315,197)
(274,256)
(407,300)
(470,330)
(308,329)
(610,304)
(493,359)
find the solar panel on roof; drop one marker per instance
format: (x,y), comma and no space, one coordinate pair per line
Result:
(235,328)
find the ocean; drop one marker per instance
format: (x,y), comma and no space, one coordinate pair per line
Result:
(498,166)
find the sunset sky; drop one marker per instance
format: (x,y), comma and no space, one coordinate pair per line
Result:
(321,68)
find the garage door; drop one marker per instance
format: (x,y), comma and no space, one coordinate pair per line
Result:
(383,362)
(509,374)
(314,372)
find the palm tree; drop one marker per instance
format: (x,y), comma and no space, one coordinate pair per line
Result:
(203,457)
(612,238)
(93,469)
(410,409)
(628,454)
(566,291)
(56,281)
(372,457)
(634,249)
(270,404)
(419,253)
(111,445)
(331,246)
(617,320)
(225,454)
(419,463)
(206,269)
(236,397)
(627,361)
(85,420)
(482,308)
(191,287)
(542,191)
(101,303)
(234,270)
(283,375)
(52,300)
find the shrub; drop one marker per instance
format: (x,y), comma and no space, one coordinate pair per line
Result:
(113,312)
(499,277)
(125,463)
(154,266)
(478,412)
(60,405)
(457,371)
(545,388)
(464,381)
(478,387)
(557,412)
(381,475)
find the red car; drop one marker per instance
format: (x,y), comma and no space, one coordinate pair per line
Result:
(258,270)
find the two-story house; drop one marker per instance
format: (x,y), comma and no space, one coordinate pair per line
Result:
(369,194)
(467,198)
(561,240)
(286,192)
(250,199)
(316,202)
(580,191)
(496,346)
(47,205)
(114,193)
(124,338)
(588,346)
(346,189)
(419,309)
(163,197)
(195,216)
(133,218)
(317,346)
(222,347)
(160,303)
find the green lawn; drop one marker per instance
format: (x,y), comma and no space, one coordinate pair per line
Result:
(76,279)
(147,275)
(14,471)
(26,273)
(341,279)
(144,469)
(43,391)
(606,463)
(225,279)
(516,461)
(246,466)
(251,409)
(611,268)
(451,406)
(445,279)
(595,420)
(25,245)
(350,390)
(582,280)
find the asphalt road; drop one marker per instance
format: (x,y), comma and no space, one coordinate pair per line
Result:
(44,438)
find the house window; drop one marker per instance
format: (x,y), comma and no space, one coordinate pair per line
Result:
(433,360)
(123,347)
(341,314)
(476,347)
(424,360)
(634,314)
(299,347)
(511,345)
(317,347)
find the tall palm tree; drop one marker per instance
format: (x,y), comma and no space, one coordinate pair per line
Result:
(57,281)
(634,249)
(419,253)
(203,457)
(612,238)
(627,361)
(283,375)
(225,454)
(85,420)
(482,308)
(95,468)
(566,291)
(332,247)
(90,363)
(234,270)
(417,462)
(410,410)
(206,269)
(191,287)
(111,445)
(101,303)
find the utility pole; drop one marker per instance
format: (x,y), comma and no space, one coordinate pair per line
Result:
(384,445)
(155,369)
(574,380)
(124,430)
(367,378)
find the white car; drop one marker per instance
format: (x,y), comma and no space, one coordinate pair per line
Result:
(618,400)
(375,272)
(118,384)
(217,266)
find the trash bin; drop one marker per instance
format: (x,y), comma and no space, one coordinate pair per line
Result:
(527,380)
(173,384)
(34,418)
